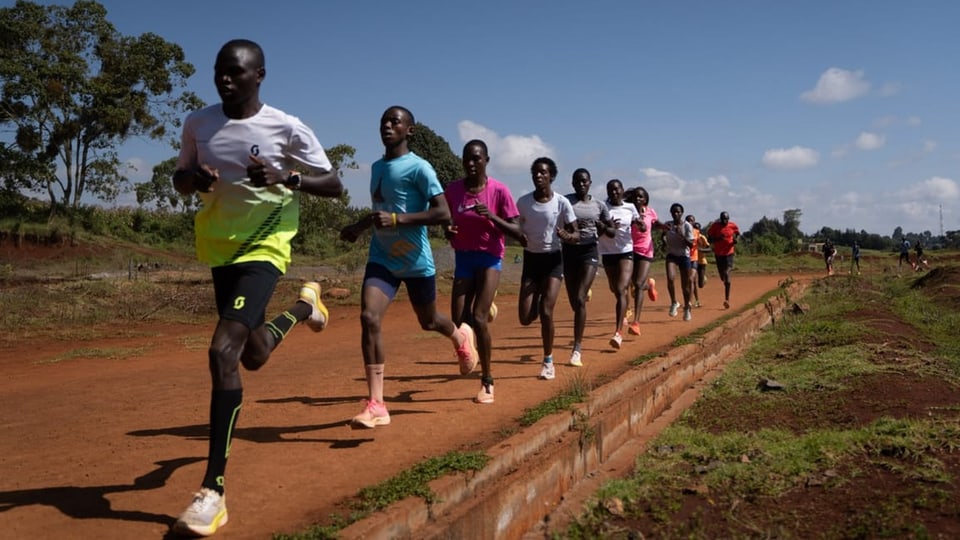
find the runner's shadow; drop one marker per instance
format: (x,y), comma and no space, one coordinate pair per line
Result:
(257,434)
(92,502)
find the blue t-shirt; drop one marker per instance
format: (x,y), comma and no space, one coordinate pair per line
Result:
(403,185)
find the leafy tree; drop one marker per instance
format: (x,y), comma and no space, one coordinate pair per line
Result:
(321,218)
(791,224)
(159,190)
(73,89)
(435,149)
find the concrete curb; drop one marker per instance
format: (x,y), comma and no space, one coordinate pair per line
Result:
(537,480)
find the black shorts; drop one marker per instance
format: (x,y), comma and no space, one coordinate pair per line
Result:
(724,263)
(613,259)
(576,257)
(421,290)
(243,291)
(679,260)
(537,266)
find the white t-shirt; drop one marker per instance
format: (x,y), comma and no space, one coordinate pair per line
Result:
(539,221)
(622,241)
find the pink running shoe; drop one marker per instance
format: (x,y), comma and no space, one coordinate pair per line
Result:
(467,351)
(374,414)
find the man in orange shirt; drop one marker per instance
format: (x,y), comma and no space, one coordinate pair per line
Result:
(723,235)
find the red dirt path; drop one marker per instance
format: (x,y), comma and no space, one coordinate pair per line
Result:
(113,448)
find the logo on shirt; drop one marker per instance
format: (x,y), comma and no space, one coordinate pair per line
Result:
(255,150)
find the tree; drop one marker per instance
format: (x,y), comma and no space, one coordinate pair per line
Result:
(73,89)
(791,224)
(435,149)
(159,190)
(321,218)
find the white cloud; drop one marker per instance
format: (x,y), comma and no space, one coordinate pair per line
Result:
(510,153)
(837,85)
(796,157)
(870,141)
(935,188)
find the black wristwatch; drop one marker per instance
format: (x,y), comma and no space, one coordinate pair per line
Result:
(293,181)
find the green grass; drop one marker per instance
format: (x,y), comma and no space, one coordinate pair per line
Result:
(409,483)
(816,353)
(576,392)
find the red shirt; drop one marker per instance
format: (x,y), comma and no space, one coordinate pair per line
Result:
(722,237)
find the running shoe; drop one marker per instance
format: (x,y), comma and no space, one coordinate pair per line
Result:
(726,304)
(374,414)
(673,309)
(547,372)
(687,313)
(616,340)
(467,351)
(310,295)
(634,328)
(652,289)
(697,304)
(206,514)
(575,359)
(486,394)
(492,315)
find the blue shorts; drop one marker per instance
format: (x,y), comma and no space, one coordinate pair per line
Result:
(243,290)
(468,263)
(422,290)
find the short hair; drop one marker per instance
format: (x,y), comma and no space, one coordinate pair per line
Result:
(551,165)
(476,142)
(676,205)
(248,45)
(578,171)
(405,110)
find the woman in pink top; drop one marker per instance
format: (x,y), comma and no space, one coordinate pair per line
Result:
(481,212)
(642,254)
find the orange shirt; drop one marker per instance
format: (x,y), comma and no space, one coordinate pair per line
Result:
(722,237)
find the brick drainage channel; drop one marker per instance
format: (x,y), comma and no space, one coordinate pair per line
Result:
(538,480)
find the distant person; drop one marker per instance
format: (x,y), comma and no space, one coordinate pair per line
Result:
(616,252)
(904,254)
(248,162)
(643,253)
(723,236)
(695,259)
(546,220)
(855,257)
(829,252)
(482,211)
(679,239)
(406,198)
(920,262)
(581,256)
(703,249)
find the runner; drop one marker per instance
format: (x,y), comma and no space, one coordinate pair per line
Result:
(616,251)
(581,256)
(546,219)
(238,156)
(406,197)
(482,211)
(723,236)
(643,253)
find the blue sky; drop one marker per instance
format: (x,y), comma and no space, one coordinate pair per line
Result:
(847,110)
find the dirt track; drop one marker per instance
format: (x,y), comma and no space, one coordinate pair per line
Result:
(100,448)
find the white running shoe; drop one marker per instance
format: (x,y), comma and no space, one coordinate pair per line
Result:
(687,313)
(547,372)
(486,394)
(575,359)
(204,516)
(673,309)
(616,340)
